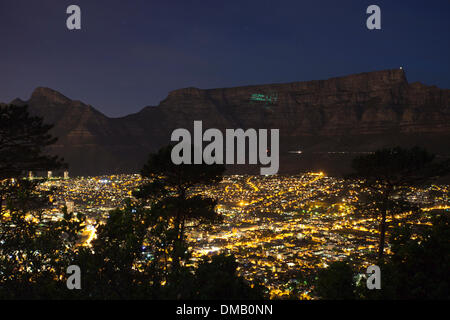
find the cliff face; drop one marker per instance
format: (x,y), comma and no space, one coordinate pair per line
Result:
(348,114)
(368,103)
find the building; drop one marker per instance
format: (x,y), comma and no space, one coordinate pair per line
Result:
(69,206)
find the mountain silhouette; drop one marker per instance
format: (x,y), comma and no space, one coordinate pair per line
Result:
(329,121)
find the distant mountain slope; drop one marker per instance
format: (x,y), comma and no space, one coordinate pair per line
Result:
(329,120)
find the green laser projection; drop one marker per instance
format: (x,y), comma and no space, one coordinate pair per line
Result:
(264,98)
(269,100)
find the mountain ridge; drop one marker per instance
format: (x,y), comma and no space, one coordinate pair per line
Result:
(354,113)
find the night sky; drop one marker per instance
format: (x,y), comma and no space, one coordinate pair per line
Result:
(130,54)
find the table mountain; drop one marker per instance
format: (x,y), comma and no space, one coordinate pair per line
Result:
(330,121)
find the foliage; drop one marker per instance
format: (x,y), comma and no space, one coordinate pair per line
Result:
(385,173)
(31,247)
(419,266)
(336,282)
(23,139)
(417,269)
(170,191)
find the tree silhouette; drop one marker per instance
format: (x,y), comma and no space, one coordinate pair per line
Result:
(416,270)
(35,253)
(23,139)
(33,250)
(419,266)
(216,278)
(171,191)
(116,265)
(387,171)
(336,282)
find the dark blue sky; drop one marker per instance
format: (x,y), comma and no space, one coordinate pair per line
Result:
(130,54)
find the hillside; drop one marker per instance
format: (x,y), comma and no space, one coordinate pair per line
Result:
(330,121)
